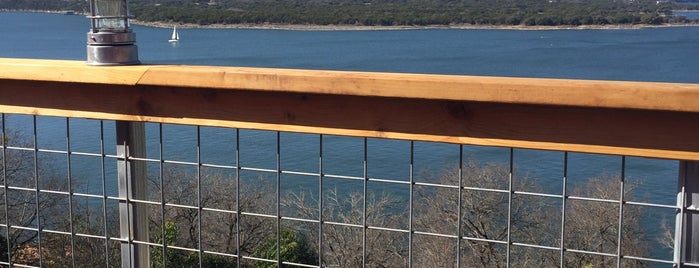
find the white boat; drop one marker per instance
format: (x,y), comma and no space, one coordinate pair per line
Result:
(175,36)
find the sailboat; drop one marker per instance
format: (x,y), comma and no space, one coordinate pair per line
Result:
(175,36)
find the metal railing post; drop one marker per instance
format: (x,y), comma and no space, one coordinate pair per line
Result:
(687,220)
(133,217)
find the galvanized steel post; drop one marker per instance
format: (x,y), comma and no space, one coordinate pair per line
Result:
(687,220)
(133,217)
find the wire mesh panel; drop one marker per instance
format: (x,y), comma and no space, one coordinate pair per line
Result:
(219,197)
(58,209)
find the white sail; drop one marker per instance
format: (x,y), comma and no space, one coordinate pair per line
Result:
(175,36)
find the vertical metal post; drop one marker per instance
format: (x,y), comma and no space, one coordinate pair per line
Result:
(104,197)
(3,159)
(687,220)
(564,196)
(320,200)
(200,210)
(459,204)
(410,205)
(133,217)
(279,200)
(364,203)
(510,191)
(239,257)
(620,228)
(37,193)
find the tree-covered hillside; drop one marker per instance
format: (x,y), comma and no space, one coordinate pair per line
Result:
(45,5)
(386,12)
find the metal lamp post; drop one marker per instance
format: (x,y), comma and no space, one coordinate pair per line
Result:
(110,40)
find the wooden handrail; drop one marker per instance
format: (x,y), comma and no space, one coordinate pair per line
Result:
(585,93)
(610,117)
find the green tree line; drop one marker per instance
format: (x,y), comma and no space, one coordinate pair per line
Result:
(387,12)
(45,5)
(393,13)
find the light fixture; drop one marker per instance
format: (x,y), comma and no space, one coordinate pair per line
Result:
(110,40)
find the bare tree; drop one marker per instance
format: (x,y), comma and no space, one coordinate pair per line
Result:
(484,217)
(343,244)
(87,251)
(220,229)
(590,225)
(23,205)
(594,225)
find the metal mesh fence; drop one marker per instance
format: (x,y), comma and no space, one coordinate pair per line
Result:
(221,197)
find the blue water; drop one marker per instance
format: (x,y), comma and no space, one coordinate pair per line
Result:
(659,54)
(646,55)
(664,54)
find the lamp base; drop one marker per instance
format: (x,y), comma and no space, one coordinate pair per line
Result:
(112,48)
(101,55)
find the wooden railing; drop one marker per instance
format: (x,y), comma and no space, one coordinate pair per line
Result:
(659,120)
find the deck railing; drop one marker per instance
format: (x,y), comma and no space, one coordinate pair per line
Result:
(629,119)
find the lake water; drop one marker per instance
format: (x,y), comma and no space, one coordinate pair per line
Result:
(661,54)
(658,54)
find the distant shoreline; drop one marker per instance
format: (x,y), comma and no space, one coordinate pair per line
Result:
(311,27)
(64,12)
